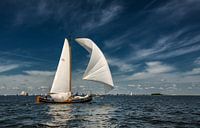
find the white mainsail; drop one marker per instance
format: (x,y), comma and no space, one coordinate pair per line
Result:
(61,87)
(97,69)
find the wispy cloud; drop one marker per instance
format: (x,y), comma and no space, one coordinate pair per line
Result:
(150,3)
(67,14)
(13,53)
(178,10)
(172,45)
(197,61)
(166,45)
(39,73)
(4,68)
(163,43)
(158,33)
(100,17)
(116,42)
(179,51)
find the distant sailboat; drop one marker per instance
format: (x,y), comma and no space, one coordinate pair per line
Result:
(131,93)
(97,70)
(23,93)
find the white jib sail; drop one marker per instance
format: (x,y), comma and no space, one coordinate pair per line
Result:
(61,88)
(97,69)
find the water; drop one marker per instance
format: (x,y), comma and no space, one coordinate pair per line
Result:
(104,111)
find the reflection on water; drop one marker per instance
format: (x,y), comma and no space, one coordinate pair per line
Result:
(59,114)
(103,112)
(79,115)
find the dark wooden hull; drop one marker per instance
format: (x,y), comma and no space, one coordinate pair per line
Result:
(40,99)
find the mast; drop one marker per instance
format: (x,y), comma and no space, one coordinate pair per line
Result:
(70,59)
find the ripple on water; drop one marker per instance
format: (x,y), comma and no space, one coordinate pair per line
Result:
(106,111)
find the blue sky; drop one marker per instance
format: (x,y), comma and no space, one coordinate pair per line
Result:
(151,46)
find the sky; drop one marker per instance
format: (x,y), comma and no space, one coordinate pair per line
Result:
(151,45)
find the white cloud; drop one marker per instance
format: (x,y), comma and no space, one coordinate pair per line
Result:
(39,82)
(157,67)
(121,65)
(31,83)
(153,69)
(195,71)
(172,87)
(2,87)
(4,68)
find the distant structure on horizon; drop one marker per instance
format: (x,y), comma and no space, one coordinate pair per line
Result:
(156,94)
(23,93)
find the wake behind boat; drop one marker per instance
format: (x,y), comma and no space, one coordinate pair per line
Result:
(97,70)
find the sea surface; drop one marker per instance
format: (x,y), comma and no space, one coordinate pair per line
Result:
(103,111)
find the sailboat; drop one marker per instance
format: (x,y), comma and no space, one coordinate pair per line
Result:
(97,70)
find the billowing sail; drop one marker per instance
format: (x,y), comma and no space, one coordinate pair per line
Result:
(61,88)
(97,69)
